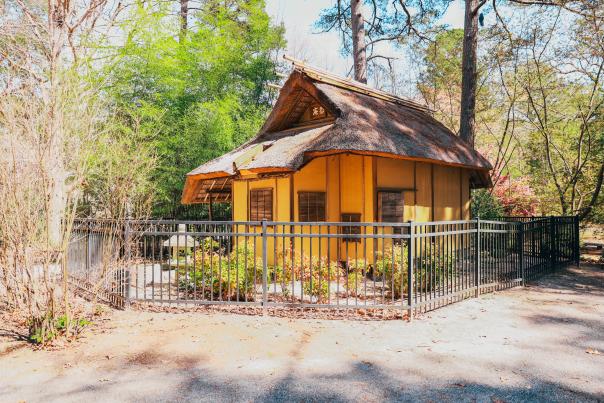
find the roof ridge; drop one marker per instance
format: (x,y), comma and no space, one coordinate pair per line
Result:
(350,84)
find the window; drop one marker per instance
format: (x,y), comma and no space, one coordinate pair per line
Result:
(390,206)
(261,204)
(351,230)
(311,206)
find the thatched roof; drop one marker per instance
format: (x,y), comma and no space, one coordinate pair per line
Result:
(347,117)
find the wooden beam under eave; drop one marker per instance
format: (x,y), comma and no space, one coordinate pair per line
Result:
(315,154)
(264,170)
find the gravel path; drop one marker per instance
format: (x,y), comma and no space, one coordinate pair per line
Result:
(542,343)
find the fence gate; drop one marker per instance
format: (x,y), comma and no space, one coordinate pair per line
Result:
(96,261)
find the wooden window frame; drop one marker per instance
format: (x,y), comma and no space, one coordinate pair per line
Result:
(251,202)
(380,211)
(397,219)
(316,205)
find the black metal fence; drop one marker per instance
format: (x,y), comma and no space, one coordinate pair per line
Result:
(412,266)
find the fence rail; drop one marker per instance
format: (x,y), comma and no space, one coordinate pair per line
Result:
(412,266)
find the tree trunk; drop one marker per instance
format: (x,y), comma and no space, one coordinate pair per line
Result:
(184,16)
(358,42)
(584,213)
(54,161)
(467,121)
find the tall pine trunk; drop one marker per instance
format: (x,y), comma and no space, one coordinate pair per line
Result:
(358,41)
(467,121)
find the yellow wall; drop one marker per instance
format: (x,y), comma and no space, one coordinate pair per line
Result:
(423,192)
(465,194)
(281,210)
(398,175)
(431,193)
(447,193)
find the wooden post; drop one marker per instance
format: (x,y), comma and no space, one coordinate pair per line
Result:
(210,207)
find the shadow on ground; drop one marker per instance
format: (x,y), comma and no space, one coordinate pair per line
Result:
(517,345)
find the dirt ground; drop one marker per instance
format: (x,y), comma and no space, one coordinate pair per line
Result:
(542,343)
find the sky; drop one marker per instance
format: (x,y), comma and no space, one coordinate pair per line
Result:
(323,49)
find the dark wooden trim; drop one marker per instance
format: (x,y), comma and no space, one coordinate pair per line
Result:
(380,189)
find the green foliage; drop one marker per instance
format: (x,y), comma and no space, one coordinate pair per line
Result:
(314,273)
(317,274)
(428,271)
(46,328)
(218,274)
(355,281)
(205,93)
(392,265)
(485,205)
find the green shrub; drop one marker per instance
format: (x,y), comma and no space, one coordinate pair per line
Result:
(219,275)
(392,266)
(354,283)
(317,275)
(485,205)
(431,270)
(428,271)
(45,329)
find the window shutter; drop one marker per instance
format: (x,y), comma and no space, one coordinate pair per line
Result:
(352,230)
(390,206)
(261,204)
(311,206)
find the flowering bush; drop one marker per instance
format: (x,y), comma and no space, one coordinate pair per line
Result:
(515,195)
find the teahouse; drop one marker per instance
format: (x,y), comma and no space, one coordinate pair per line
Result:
(336,150)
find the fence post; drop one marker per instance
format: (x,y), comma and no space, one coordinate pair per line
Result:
(410,262)
(264,267)
(577,243)
(477,258)
(521,254)
(552,243)
(88,249)
(126,270)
